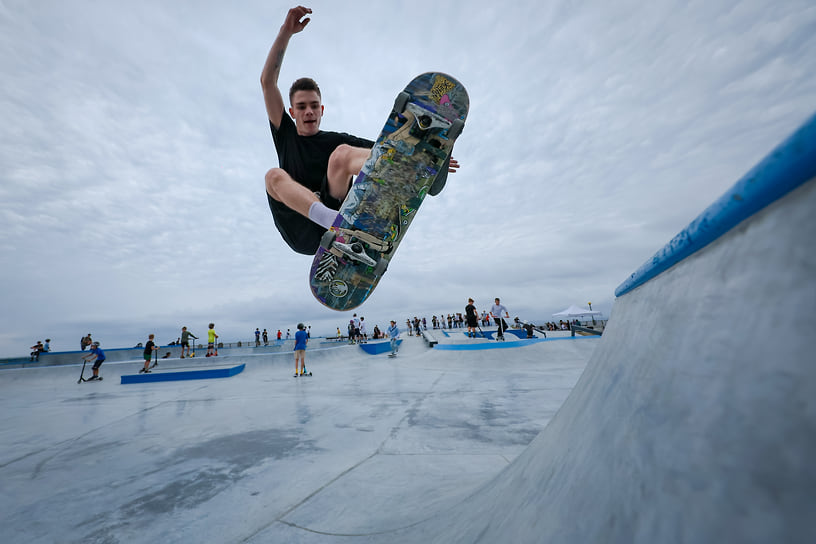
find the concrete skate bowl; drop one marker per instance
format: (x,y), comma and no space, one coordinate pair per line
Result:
(695,419)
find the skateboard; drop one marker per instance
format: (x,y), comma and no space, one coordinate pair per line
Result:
(409,160)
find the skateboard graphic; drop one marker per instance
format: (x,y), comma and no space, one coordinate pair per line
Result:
(409,160)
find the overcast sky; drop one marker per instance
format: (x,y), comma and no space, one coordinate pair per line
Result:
(134,145)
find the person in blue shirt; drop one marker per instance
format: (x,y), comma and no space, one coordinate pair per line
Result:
(301,339)
(99,355)
(393,333)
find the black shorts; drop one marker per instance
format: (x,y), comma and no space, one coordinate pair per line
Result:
(301,233)
(472,321)
(98,363)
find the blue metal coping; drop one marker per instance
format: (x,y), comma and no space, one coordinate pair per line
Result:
(790,165)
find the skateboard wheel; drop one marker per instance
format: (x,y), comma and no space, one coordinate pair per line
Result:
(424,122)
(328,239)
(381,267)
(401,102)
(456,129)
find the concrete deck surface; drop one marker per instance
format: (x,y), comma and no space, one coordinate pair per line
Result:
(366,446)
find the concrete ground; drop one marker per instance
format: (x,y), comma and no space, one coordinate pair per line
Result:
(366,446)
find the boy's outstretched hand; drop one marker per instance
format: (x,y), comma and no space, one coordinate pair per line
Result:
(293,23)
(453,166)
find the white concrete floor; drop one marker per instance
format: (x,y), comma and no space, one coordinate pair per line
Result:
(367,446)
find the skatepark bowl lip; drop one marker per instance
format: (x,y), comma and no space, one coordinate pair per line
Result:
(669,428)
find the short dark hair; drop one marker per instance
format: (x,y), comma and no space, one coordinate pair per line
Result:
(304,84)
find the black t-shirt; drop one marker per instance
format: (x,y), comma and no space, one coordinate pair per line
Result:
(306,159)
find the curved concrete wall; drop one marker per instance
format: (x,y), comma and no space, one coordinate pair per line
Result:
(682,429)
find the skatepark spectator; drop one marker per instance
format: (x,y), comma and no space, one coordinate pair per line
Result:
(185,341)
(38,348)
(149,348)
(301,339)
(393,333)
(363,332)
(47,345)
(498,318)
(265,337)
(257,337)
(211,338)
(85,342)
(472,318)
(99,356)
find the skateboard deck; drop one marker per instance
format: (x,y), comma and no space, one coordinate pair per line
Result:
(408,161)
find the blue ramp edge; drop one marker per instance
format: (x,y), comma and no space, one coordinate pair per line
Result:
(515,332)
(376,348)
(790,165)
(170,376)
(507,345)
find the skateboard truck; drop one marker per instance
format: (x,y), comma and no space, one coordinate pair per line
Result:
(424,120)
(355,249)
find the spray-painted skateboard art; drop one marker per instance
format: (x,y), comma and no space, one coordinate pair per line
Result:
(408,161)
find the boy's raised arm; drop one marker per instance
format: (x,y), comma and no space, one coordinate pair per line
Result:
(273,98)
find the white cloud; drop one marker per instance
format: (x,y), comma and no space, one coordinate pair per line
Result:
(135,142)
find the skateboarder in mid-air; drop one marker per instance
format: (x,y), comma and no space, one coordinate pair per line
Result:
(316,167)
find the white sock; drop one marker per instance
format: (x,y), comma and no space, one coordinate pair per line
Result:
(322,214)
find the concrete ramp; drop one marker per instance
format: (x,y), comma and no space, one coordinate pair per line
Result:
(695,419)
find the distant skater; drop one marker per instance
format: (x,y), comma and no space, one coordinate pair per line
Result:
(99,356)
(301,339)
(393,333)
(211,338)
(185,341)
(149,348)
(496,312)
(472,318)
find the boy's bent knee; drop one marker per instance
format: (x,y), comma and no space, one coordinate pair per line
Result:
(273,177)
(339,158)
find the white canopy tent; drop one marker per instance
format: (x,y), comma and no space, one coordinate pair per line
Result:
(575,311)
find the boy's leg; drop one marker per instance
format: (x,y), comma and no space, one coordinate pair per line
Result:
(284,189)
(345,162)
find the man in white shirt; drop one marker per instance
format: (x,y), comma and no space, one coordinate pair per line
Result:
(496,312)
